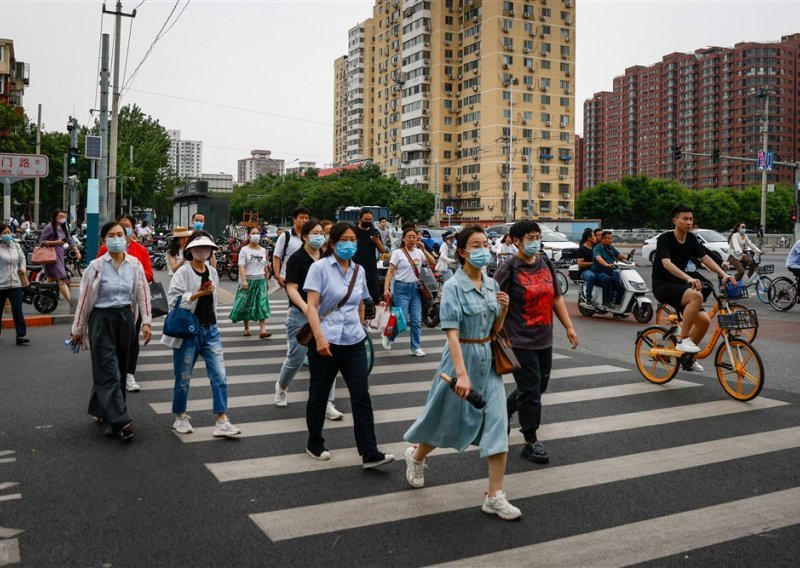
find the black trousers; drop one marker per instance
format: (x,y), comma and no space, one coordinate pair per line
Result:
(133,358)
(110,335)
(351,361)
(532,379)
(14,295)
(371,275)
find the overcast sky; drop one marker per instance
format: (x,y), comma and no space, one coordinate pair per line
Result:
(253,60)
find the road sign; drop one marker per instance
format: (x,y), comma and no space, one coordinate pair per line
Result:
(24,165)
(770,159)
(770,188)
(93,147)
(449,210)
(762,161)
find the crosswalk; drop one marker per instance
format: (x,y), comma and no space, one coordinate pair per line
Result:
(625,453)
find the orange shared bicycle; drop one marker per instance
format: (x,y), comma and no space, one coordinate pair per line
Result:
(738,365)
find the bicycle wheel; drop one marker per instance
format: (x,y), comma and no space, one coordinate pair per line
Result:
(663,314)
(762,288)
(748,334)
(782,294)
(370,353)
(563,283)
(657,369)
(739,369)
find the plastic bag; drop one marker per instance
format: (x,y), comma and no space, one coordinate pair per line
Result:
(382,314)
(401,324)
(391,322)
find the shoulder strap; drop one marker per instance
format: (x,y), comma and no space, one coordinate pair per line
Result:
(286,244)
(343,301)
(411,262)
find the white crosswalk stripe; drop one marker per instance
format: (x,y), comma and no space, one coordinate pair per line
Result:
(397,385)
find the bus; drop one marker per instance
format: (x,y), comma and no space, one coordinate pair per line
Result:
(351,213)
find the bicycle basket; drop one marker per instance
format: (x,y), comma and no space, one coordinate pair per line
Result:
(766,269)
(742,319)
(733,292)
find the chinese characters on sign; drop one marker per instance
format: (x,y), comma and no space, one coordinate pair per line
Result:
(23,165)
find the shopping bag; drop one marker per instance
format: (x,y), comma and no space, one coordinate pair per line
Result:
(381,318)
(391,322)
(158,300)
(401,324)
(180,322)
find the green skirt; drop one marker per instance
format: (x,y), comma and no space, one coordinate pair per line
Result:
(251,304)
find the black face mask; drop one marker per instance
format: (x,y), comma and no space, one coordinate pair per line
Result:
(366,224)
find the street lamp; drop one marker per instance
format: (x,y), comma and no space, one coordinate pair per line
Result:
(283,174)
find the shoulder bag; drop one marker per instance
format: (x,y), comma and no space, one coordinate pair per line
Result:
(180,322)
(43,255)
(158,300)
(424,293)
(505,361)
(306,334)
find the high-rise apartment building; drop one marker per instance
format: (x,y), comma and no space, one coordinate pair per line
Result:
(698,102)
(260,163)
(14,75)
(340,110)
(473,98)
(185,156)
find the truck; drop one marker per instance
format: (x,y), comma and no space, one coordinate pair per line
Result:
(351,213)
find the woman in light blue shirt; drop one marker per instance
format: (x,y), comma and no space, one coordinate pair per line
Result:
(338,345)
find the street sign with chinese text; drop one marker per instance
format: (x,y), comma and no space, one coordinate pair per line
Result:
(23,165)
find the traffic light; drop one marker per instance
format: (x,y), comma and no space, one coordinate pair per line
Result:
(677,154)
(715,155)
(72,162)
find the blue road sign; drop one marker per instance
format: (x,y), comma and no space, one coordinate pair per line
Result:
(449,210)
(770,158)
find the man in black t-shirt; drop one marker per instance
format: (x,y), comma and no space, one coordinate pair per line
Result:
(673,286)
(368,242)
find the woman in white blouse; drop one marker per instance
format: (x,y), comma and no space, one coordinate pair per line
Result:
(739,245)
(252,301)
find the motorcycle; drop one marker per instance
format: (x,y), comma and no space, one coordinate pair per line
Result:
(430,308)
(43,296)
(634,301)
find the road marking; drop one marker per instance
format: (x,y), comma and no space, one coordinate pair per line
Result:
(402,505)
(416,386)
(9,552)
(8,533)
(4,459)
(297,463)
(649,540)
(158,324)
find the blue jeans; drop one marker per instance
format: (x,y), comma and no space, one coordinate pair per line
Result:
(612,286)
(295,319)
(206,343)
(406,297)
(588,277)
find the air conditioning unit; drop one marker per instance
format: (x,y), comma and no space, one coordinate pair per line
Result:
(471,106)
(477,53)
(475,88)
(447,42)
(544,88)
(476,123)
(475,157)
(451,76)
(530,139)
(563,125)
(474,176)
(427,44)
(424,127)
(565,195)
(426,62)
(502,174)
(505,65)
(474,140)
(458,145)
(541,194)
(448,59)
(524,121)
(531,68)
(458,93)
(424,111)
(530,87)
(505,29)
(562,176)
(525,50)
(458,178)
(566,39)
(568,73)
(475,19)
(542,17)
(526,15)
(446,178)
(548,123)
(475,71)
(511,13)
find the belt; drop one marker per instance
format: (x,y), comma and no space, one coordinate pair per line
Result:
(482,340)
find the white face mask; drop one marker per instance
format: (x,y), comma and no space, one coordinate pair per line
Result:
(201,253)
(255,238)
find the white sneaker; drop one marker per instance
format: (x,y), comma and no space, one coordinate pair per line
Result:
(182,425)
(280,395)
(499,505)
(324,455)
(417,352)
(697,367)
(686,345)
(415,470)
(226,429)
(331,413)
(130,384)
(387,343)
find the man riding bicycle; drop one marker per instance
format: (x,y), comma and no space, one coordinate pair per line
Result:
(673,286)
(793,259)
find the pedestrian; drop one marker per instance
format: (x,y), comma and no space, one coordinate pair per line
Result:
(585,260)
(55,234)
(326,225)
(740,245)
(113,295)
(12,278)
(135,249)
(252,301)
(369,245)
(175,249)
(297,268)
(288,243)
(194,288)
(198,221)
(446,264)
(404,271)
(385,232)
(336,290)
(529,279)
(473,309)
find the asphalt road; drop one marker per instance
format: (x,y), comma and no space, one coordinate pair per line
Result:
(673,475)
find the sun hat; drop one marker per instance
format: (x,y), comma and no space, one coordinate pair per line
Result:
(201,242)
(178,232)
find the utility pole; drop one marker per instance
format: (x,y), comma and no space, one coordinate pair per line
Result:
(764,93)
(436,197)
(36,181)
(64,195)
(102,173)
(530,188)
(509,194)
(112,146)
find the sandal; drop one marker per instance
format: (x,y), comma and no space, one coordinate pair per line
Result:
(246,333)
(264,334)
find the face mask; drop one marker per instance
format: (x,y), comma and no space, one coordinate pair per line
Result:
(255,238)
(742,230)
(61,220)
(198,225)
(116,244)
(128,232)
(345,250)
(201,253)
(316,241)
(479,257)
(366,224)
(7,239)
(532,247)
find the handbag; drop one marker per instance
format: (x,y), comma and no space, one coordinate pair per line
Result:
(180,322)
(391,322)
(158,300)
(503,355)
(43,255)
(306,334)
(424,293)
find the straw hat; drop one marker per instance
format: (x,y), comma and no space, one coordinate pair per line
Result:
(181,232)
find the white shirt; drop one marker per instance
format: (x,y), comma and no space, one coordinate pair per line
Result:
(447,259)
(281,251)
(254,260)
(178,257)
(404,271)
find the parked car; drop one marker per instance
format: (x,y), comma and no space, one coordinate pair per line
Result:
(553,242)
(712,240)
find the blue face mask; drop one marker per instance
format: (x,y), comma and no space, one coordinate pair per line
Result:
(316,241)
(532,247)
(128,232)
(7,239)
(346,249)
(479,257)
(198,225)
(116,244)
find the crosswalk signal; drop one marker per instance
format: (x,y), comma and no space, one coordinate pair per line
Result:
(72,162)
(715,155)
(677,154)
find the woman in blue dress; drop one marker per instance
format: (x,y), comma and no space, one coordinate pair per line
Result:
(472,309)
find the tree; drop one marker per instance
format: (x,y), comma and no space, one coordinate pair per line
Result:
(609,201)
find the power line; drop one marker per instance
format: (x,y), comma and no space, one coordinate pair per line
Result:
(127,50)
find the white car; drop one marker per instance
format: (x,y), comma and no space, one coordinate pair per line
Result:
(554,243)
(712,240)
